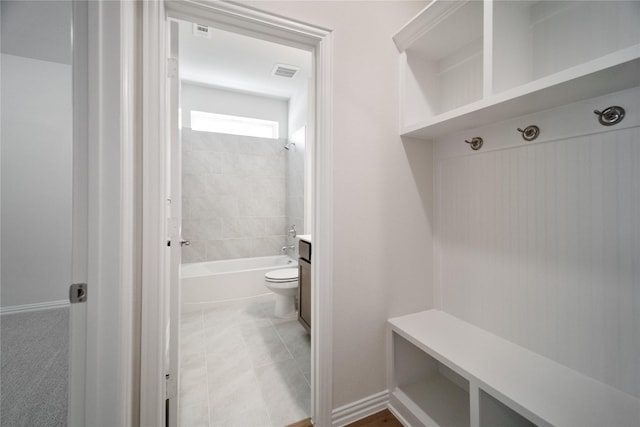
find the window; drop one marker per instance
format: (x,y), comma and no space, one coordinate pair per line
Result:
(235,125)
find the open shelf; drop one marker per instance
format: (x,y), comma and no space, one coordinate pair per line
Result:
(615,72)
(494,413)
(442,366)
(535,39)
(443,64)
(438,396)
(509,58)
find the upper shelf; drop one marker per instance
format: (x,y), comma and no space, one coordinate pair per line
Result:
(465,64)
(443,26)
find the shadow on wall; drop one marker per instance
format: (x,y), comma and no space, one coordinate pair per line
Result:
(420,156)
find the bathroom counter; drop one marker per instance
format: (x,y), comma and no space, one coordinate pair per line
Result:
(305,237)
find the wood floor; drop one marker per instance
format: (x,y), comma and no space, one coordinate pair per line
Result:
(379,419)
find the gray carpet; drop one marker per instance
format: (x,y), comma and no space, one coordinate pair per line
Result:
(34,353)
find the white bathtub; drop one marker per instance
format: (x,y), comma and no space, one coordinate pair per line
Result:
(206,284)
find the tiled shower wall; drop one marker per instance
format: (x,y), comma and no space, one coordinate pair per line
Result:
(234,196)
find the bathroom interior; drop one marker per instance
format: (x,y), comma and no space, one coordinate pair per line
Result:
(244,341)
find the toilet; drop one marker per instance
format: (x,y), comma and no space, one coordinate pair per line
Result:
(284,284)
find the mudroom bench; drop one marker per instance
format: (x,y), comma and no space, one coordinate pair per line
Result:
(443,371)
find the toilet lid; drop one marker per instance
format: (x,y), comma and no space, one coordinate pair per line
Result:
(282,275)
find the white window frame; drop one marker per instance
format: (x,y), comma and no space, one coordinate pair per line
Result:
(233,125)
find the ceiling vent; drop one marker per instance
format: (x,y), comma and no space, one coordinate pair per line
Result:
(287,71)
(203,31)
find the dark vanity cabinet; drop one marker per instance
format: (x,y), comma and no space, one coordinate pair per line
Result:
(304,284)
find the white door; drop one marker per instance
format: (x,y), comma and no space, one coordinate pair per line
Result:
(174,221)
(44,211)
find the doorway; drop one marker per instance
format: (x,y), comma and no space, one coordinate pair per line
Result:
(247,21)
(243,143)
(44,127)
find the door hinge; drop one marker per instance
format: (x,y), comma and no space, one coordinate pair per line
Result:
(171,387)
(78,293)
(172,67)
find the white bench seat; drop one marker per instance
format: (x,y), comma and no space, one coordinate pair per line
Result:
(539,389)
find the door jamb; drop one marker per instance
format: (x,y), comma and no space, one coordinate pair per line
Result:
(108,391)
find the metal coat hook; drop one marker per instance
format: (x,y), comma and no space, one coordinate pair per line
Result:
(475,143)
(610,116)
(530,133)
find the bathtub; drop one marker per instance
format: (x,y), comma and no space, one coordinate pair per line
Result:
(206,284)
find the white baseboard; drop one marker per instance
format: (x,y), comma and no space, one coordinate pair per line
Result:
(360,409)
(34,307)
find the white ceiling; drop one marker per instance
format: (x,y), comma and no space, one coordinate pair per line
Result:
(238,62)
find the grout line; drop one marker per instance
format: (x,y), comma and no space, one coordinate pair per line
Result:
(282,341)
(295,362)
(255,374)
(236,325)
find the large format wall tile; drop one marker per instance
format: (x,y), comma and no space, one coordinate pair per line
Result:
(235,200)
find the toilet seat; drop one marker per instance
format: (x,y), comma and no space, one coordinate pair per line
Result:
(284,285)
(282,275)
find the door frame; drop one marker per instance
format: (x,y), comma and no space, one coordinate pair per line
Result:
(102,387)
(155,137)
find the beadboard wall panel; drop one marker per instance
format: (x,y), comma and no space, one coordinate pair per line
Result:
(540,243)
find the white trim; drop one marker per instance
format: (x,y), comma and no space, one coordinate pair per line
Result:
(424,22)
(129,242)
(34,307)
(174,214)
(237,17)
(154,254)
(109,320)
(360,409)
(322,273)
(80,216)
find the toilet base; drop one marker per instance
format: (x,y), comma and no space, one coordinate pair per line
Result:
(285,307)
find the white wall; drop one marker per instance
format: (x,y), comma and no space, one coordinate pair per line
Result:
(220,101)
(298,108)
(37,29)
(539,242)
(299,164)
(382,190)
(36,181)
(36,155)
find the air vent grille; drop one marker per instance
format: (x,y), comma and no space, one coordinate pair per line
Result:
(286,71)
(200,30)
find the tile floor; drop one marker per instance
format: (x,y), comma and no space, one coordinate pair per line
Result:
(241,366)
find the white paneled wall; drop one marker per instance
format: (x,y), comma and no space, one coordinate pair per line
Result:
(540,242)
(460,78)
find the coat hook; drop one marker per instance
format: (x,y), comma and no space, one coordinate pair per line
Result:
(610,116)
(530,133)
(475,143)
